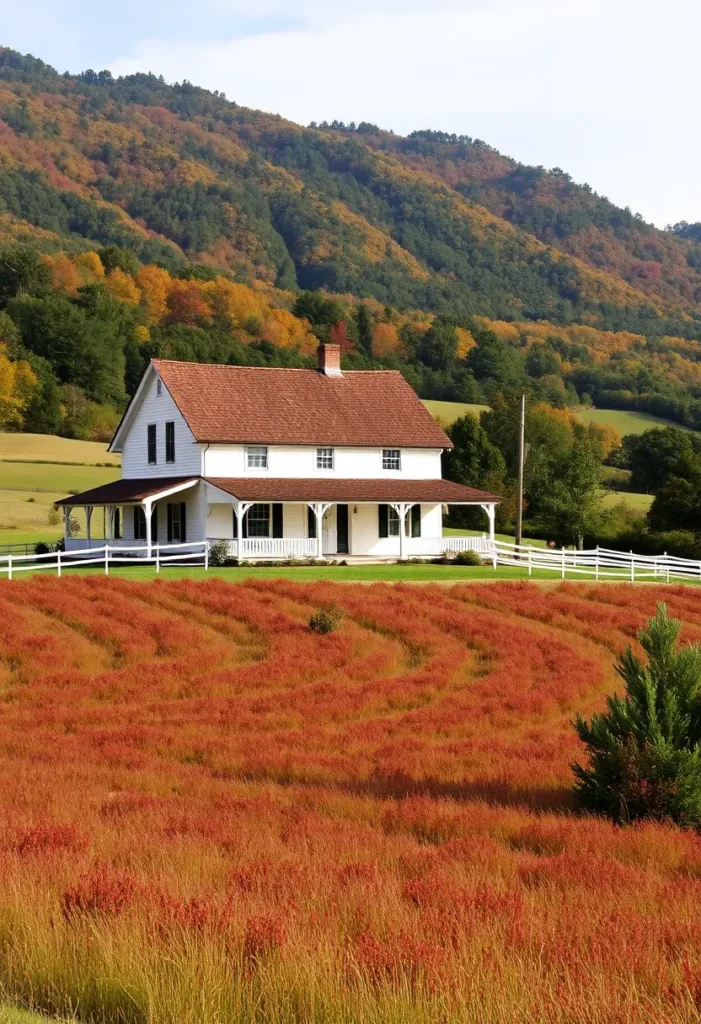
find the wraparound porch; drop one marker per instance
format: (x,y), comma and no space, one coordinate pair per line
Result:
(272,519)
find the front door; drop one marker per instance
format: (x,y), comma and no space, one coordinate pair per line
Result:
(328,531)
(342,529)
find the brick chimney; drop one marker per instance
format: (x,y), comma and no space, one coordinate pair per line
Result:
(329,360)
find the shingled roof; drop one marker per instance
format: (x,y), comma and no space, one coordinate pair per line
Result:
(271,405)
(262,488)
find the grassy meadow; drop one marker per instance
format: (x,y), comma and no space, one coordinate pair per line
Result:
(36,470)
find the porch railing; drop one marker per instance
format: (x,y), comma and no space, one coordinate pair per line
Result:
(419,546)
(273,547)
(193,554)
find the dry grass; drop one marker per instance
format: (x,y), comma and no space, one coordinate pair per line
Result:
(209,813)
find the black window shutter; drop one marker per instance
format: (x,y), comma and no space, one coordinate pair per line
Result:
(277,519)
(154,524)
(137,530)
(416,520)
(383,520)
(311,523)
(170,523)
(117,524)
(183,528)
(244,526)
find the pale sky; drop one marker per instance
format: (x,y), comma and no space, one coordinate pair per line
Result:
(608,90)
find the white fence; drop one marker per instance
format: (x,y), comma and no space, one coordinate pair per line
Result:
(599,563)
(196,553)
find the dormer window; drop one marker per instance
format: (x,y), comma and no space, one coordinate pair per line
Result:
(256,457)
(391,458)
(324,458)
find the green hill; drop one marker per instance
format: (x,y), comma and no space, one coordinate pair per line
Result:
(176,173)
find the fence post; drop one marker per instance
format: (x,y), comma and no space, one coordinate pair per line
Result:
(666,565)
(596,563)
(158,558)
(530,561)
(632,567)
(494,556)
(9,565)
(206,556)
(563,563)
(58,562)
(107,559)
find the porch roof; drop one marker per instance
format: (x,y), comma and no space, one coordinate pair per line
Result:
(262,488)
(125,492)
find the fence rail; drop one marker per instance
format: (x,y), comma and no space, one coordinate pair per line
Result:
(601,563)
(195,553)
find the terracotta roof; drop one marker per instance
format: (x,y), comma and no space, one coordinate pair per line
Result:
(262,488)
(124,491)
(271,405)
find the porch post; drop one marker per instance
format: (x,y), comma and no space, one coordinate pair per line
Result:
(88,518)
(402,509)
(66,525)
(318,508)
(491,513)
(109,525)
(147,506)
(241,510)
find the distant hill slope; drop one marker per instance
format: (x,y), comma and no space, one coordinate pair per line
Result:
(177,173)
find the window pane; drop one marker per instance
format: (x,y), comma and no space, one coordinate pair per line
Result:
(257,458)
(259,521)
(393,521)
(324,458)
(151,442)
(170,442)
(391,458)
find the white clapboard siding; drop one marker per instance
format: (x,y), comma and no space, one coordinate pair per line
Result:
(299,461)
(159,409)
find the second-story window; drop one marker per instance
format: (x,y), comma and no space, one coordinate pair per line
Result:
(391,458)
(324,458)
(151,443)
(170,442)
(257,457)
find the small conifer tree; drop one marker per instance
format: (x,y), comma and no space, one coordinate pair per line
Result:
(645,750)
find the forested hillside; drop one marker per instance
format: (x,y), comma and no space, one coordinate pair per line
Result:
(428,222)
(141,219)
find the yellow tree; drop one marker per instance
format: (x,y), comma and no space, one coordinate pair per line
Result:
(18,385)
(154,283)
(65,277)
(89,267)
(122,286)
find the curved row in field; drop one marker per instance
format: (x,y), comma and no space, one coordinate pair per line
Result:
(210,813)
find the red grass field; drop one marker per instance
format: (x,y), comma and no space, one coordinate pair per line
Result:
(210,814)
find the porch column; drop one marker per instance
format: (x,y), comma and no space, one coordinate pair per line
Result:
(319,508)
(66,525)
(147,506)
(242,508)
(88,518)
(491,511)
(402,509)
(109,523)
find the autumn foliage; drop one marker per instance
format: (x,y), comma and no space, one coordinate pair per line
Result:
(210,812)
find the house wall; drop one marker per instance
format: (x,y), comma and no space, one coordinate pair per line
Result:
(364,530)
(363,526)
(300,462)
(159,409)
(195,511)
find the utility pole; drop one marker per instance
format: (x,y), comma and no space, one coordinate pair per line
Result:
(521,459)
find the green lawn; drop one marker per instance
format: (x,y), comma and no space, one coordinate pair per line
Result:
(448,412)
(638,502)
(626,421)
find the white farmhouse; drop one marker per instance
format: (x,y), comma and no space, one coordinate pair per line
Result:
(279,463)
